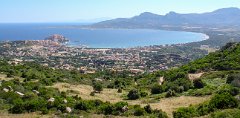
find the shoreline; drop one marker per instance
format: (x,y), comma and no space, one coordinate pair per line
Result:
(205,37)
(200,37)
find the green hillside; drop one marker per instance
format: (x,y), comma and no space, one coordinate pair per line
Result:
(28,87)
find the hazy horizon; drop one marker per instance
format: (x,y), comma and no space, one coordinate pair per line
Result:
(40,11)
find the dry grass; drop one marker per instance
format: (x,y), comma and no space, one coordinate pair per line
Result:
(195,76)
(5,114)
(171,104)
(84,91)
(167,104)
(103,116)
(209,49)
(4,77)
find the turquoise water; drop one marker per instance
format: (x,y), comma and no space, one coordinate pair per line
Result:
(97,38)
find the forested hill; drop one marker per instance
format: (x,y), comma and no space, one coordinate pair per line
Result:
(228,58)
(220,78)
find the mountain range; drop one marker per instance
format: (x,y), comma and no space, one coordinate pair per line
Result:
(220,17)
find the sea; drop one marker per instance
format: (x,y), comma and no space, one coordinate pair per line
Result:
(96,38)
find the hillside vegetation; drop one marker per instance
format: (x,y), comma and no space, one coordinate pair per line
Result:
(214,79)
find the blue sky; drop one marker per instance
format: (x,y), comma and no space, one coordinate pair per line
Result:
(74,10)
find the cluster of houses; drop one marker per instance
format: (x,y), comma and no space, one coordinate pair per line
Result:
(51,52)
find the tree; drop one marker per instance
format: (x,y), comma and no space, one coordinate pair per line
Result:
(133,94)
(228,89)
(157,89)
(119,90)
(92,93)
(10,73)
(170,93)
(139,111)
(228,45)
(119,105)
(148,109)
(117,83)
(97,87)
(160,113)
(143,94)
(107,109)
(188,112)
(198,83)
(223,101)
(18,107)
(83,105)
(35,104)
(234,79)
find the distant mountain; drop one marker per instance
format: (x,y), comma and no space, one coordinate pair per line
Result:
(223,17)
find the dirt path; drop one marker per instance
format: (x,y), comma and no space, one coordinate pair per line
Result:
(161,80)
(4,77)
(195,76)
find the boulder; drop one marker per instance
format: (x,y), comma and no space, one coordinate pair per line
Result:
(68,109)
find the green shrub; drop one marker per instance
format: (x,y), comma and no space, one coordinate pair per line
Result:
(188,112)
(18,107)
(160,114)
(97,87)
(92,93)
(119,105)
(46,81)
(9,75)
(143,94)
(234,79)
(107,109)
(119,90)
(192,70)
(198,83)
(219,101)
(203,109)
(157,89)
(83,105)
(62,108)
(170,93)
(228,89)
(44,111)
(35,105)
(148,109)
(111,85)
(201,92)
(10,97)
(138,111)
(229,113)
(97,103)
(223,101)
(133,94)
(29,95)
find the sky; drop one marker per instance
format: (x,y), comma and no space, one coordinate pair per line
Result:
(24,11)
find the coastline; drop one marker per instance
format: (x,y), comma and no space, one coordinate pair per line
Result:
(205,36)
(74,38)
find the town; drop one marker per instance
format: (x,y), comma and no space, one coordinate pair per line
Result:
(54,52)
